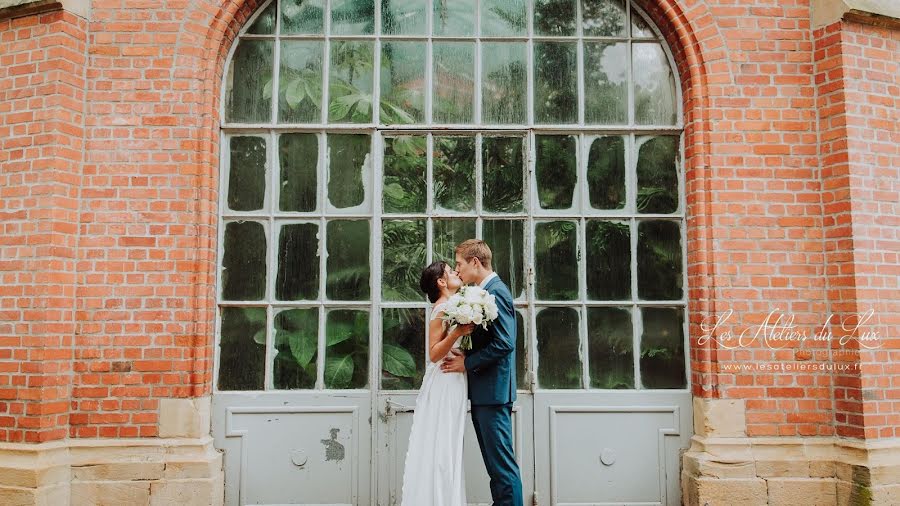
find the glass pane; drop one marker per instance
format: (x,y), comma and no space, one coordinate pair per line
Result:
(503,174)
(555,82)
(301,16)
(244,261)
(403,348)
(554,17)
(348,260)
(349,170)
(405,174)
(350,81)
(296,348)
(300,82)
(248,93)
(559,359)
(606,173)
(662,348)
(605,83)
(521,351)
(654,85)
(610,347)
(242,348)
(402,82)
(454,82)
(507,242)
(298,156)
(455,18)
(659,262)
(403,17)
(603,18)
(449,233)
(346,348)
(404,258)
(503,17)
(265,22)
(352,17)
(247,173)
(639,27)
(504,77)
(657,174)
(555,170)
(556,260)
(608,260)
(298,262)
(453,167)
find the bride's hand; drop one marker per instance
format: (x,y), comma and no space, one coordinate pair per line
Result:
(462,330)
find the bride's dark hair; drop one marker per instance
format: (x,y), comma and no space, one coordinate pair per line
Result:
(430,276)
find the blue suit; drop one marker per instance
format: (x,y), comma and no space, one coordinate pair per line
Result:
(491,367)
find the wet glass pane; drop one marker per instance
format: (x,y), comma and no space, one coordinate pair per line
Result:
(606,173)
(247,173)
(298,156)
(403,348)
(503,174)
(555,170)
(300,82)
(639,27)
(405,174)
(403,17)
(608,260)
(447,234)
(296,348)
(504,77)
(654,85)
(244,261)
(453,167)
(349,169)
(402,82)
(610,347)
(348,264)
(265,22)
(662,348)
(503,18)
(556,260)
(242,348)
(605,83)
(603,18)
(454,17)
(403,250)
(657,174)
(559,359)
(454,82)
(298,262)
(659,260)
(248,94)
(301,16)
(350,81)
(555,82)
(507,242)
(521,351)
(554,17)
(346,349)
(352,17)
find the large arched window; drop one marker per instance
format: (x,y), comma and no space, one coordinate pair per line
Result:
(363,139)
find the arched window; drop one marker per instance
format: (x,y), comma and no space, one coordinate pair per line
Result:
(361,140)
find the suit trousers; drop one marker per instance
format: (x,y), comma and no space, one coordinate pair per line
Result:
(493,427)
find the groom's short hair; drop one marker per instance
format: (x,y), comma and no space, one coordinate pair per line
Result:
(475,248)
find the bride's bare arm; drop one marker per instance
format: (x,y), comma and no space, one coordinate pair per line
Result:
(440,340)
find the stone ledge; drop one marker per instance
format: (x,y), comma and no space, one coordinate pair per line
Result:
(874,12)
(22,8)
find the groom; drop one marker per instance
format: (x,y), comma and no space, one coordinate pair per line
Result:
(490,366)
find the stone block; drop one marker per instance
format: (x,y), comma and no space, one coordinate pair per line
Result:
(119,471)
(808,492)
(719,417)
(782,469)
(193,492)
(111,493)
(730,492)
(184,417)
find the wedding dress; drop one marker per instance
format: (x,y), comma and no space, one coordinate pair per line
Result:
(433,474)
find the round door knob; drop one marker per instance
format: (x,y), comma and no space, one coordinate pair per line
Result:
(299,458)
(608,456)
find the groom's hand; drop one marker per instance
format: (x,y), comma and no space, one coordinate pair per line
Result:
(456,363)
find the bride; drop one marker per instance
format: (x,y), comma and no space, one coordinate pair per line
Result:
(433,474)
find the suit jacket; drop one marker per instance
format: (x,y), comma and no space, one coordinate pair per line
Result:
(491,363)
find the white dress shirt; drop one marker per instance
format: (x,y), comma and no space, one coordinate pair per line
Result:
(487,279)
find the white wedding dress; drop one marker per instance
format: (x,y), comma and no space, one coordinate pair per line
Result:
(433,474)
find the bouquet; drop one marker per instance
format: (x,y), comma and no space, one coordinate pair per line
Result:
(472,304)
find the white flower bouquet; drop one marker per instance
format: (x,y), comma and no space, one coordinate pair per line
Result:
(472,304)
